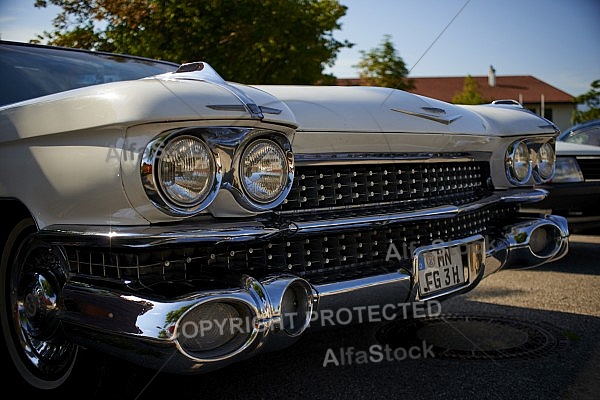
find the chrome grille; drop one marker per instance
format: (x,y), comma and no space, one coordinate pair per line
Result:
(320,257)
(425,184)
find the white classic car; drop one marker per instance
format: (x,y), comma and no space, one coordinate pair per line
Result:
(161,214)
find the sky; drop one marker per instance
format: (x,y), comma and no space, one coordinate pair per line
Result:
(557,41)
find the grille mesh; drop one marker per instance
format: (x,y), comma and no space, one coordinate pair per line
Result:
(426,184)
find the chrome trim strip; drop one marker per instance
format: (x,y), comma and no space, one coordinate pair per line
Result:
(364,291)
(227,107)
(270,110)
(437,117)
(374,220)
(350,207)
(241,108)
(530,196)
(318,159)
(508,102)
(210,231)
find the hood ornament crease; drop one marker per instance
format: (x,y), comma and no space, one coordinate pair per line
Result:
(431,113)
(202,71)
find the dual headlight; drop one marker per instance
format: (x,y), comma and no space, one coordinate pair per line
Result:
(264,171)
(530,157)
(182,173)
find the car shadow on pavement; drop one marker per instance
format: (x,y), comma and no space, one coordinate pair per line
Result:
(568,371)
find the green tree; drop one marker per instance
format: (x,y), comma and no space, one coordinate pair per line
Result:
(269,41)
(590,102)
(470,93)
(382,66)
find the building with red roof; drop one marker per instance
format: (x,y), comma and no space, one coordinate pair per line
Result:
(534,94)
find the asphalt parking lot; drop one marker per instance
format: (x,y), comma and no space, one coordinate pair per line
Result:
(527,334)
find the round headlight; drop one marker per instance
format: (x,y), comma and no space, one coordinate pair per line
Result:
(545,162)
(518,165)
(185,171)
(264,171)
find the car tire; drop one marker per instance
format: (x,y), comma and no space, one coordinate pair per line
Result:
(32,274)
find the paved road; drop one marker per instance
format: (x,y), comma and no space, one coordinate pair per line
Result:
(559,302)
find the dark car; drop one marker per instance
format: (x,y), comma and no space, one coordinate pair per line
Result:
(584,133)
(575,188)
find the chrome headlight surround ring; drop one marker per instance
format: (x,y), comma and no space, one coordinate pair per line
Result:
(544,163)
(151,161)
(518,169)
(243,193)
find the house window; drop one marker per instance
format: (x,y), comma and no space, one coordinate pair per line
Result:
(548,114)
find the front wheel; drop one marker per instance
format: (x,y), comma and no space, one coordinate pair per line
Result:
(32,275)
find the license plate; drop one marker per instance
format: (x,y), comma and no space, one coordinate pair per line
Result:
(445,266)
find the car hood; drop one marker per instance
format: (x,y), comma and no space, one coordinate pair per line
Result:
(374,109)
(167,97)
(201,94)
(576,149)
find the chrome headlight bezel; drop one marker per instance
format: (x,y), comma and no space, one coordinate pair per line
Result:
(165,198)
(530,158)
(544,163)
(250,197)
(517,162)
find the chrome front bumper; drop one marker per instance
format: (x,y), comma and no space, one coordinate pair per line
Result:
(151,331)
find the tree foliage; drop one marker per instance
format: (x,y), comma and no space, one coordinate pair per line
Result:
(382,66)
(470,94)
(268,41)
(591,104)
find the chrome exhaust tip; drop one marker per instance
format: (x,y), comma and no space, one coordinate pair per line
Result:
(225,326)
(544,240)
(292,301)
(537,241)
(216,329)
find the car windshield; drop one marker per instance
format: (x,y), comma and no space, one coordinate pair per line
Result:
(28,72)
(587,134)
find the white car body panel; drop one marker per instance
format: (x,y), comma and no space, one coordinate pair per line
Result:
(102,124)
(90,124)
